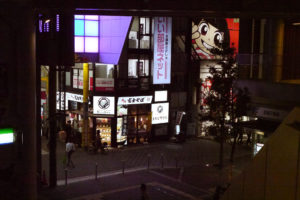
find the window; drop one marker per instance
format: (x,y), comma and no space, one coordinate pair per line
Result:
(104,77)
(68,78)
(78,76)
(138,68)
(86,31)
(140,34)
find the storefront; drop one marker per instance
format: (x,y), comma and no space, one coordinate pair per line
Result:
(134,119)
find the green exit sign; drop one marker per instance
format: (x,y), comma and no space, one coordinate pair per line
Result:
(6,136)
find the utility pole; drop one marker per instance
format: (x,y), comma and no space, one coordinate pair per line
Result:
(85,135)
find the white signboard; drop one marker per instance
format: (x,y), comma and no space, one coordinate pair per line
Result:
(73,97)
(134,100)
(161,96)
(160,113)
(104,105)
(162,50)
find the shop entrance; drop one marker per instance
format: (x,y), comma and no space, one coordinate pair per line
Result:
(104,126)
(139,125)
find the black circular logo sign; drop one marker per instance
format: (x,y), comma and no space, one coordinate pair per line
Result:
(160,109)
(103,103)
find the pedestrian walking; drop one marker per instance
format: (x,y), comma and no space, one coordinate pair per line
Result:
(70,149)
(144,194)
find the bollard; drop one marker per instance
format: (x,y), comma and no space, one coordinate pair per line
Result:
(162,160)
(149,155)
(123,167)
(96,171)
(66,177)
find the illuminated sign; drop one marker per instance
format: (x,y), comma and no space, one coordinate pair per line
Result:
(104,105)
(214,33)
(6,136)
(161,96)
(160,113)
(73,97)
(61,100)
(162,50)
(134,100)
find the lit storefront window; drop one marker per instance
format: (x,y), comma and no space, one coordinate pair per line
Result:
(86,31)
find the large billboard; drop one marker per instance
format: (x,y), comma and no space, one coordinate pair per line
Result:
(162,50)
(214,33)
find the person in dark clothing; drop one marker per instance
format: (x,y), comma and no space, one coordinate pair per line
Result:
(144,194)
(97,141)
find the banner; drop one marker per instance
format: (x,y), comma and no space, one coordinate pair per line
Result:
(162,50)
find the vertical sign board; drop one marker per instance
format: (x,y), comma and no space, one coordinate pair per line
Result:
(162,50)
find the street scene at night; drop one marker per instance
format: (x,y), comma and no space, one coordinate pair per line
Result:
(147,99)
(176,171)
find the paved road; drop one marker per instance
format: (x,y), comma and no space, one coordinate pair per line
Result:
(161,184)
(197,152)
(164,154)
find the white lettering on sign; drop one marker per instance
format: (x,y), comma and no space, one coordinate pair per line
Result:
(162,50)
(135,100)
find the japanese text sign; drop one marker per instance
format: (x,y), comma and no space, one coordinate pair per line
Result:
(162,50)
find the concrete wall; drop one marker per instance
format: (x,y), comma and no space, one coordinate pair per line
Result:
(274,172)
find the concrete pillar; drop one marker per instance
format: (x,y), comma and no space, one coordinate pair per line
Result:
(26,102)
(278,50)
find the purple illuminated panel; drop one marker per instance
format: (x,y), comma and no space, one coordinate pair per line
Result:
(113,32)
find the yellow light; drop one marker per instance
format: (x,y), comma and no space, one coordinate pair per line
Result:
(296,23)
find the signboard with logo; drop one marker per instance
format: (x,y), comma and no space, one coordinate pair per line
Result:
(160,113)
(162,50)
(135,100)
(104,105)
(104,84)
(161,96)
